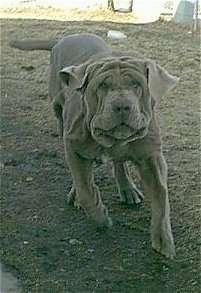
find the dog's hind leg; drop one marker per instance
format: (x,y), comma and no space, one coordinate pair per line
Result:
(129,193)
(56,97)
(58,110)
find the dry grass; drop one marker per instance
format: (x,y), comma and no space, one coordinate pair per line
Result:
(51,13)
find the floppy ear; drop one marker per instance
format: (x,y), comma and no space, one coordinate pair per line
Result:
(73,116)
(74,76)
(159,80)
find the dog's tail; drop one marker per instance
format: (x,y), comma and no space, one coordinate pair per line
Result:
(34,44)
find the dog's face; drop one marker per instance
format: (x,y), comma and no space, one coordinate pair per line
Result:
(123,108)
(118,97)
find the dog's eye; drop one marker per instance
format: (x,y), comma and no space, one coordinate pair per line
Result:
(137,88)
(104,85)
(135,85)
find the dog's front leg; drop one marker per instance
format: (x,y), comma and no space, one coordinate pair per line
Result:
(153,173)
(87,193)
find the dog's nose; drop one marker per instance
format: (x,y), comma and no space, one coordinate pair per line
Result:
(121,107)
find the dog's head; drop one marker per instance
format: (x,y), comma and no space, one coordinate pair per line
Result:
(117,95)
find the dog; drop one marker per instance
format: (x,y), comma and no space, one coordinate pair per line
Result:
(104,103)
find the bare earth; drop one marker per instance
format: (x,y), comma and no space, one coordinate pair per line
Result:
(51,247)
(8,283)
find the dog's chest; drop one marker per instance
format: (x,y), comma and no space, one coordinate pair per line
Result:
(119,152)
(94,151)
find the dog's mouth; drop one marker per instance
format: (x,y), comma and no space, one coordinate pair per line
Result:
(121,132)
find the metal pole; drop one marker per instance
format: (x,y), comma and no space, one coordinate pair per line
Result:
(196,20)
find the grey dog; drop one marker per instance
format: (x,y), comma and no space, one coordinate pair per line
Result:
(104,104)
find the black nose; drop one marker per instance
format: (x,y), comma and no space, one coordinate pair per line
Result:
(121,107)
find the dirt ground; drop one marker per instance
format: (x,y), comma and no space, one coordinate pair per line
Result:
(51,247)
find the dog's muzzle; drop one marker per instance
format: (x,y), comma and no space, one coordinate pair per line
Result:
(121,134)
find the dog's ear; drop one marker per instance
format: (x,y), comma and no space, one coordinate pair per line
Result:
(73,116)
(74,76)
(160,82)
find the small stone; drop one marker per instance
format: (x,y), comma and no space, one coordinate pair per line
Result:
(165,269)
(74,242)
(62,209)
(121,269)
(35,150)
(194,283)
(29,179)
(106,268)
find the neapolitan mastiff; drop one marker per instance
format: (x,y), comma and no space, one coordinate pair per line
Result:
(104,104)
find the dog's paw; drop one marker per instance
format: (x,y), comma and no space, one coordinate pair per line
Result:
(72,199)
(130,195)
(100,217)
(163,242)
(103,225)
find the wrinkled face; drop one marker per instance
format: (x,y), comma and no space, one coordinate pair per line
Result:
(123,104)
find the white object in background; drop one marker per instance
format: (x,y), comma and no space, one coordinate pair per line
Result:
(177,2)
(147,11)
(116,35)
(184,11)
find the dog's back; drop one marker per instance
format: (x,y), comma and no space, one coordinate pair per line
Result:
(78,48)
